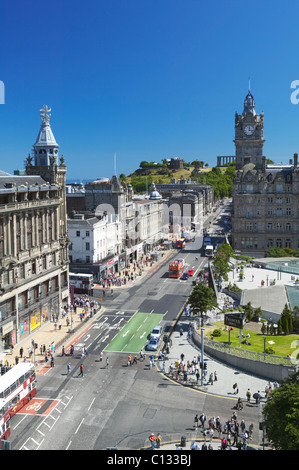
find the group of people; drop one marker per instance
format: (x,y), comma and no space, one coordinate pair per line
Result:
(231,433)
(155,441)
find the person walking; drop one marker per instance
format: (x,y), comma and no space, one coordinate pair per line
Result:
(248,395)
(21,352)
(152,440)
(196,419)
(68,368)
(107,362)
(158,441)
(81,370)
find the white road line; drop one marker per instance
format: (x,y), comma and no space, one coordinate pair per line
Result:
(15,427)
(68,445)
(91,404)
(79,426)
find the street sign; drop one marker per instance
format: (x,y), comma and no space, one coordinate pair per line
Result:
(237,320)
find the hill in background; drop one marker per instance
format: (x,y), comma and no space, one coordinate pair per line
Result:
(160,173)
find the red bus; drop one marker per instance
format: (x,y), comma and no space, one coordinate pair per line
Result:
(17,387)
(176,268)
(180,243)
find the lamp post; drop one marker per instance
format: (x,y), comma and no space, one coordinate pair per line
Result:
(202,351)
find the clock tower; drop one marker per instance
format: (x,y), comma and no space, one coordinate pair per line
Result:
(249,135)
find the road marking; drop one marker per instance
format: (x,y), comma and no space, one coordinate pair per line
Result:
(91,404)
(79,426)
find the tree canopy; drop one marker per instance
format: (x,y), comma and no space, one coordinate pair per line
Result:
(281,414)
(202,299)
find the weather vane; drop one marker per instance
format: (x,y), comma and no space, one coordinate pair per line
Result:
(45,114)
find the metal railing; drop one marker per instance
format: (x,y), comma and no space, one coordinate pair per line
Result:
(245,353)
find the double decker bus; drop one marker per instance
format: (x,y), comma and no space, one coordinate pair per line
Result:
(17,387)
(180,243)
(209,250)
(83,283)
(176,268)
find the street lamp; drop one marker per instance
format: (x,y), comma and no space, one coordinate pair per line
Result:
(202,351)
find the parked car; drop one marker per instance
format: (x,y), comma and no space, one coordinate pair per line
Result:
(153,344)
(156,332)
(185,276)
(190,272)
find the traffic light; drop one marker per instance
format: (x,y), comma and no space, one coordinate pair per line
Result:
(200,365)
(205,365)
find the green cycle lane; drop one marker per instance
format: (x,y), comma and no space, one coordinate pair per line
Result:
(134,335)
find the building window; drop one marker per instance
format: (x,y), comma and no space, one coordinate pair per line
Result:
(288,243)
(288,211)
(270,200)
(288,227)
(278,211)
(269,243)
(278,243)
(87,233)
(71,247)
(78,233)
(278,227)
(269,227)
(279,188)
(87,246)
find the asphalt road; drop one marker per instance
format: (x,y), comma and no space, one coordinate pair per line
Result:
(117,406)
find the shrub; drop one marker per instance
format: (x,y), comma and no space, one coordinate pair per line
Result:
(269,350)
(217,332)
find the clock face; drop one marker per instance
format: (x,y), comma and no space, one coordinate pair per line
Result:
(249,130)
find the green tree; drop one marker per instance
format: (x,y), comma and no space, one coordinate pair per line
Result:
(258,313)
(286,320)
(221,261)
(281,414)
(248,309)
(202,299)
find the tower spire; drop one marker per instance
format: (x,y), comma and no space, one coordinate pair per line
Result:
(249,84)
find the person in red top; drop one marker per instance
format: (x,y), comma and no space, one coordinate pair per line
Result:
(152,440)
(81,370)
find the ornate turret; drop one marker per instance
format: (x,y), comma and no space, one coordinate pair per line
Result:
(45,148)
(249,104)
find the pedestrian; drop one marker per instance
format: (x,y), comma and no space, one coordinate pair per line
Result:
(101,356)
(215,376)
(196,419)
(236,389)
(81,370)
(52,361)
(202,419)
(21,352)
(152,440)
(107,362)
(158,441)
(164,367)
(68,368)
(248,395)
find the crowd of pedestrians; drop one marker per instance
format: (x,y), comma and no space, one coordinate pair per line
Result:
(232,432)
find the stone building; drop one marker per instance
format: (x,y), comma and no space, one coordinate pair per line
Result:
(265,197)
(33,241)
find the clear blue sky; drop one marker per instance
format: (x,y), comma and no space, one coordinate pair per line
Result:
(145,79)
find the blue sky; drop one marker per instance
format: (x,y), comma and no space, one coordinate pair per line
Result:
(145,79)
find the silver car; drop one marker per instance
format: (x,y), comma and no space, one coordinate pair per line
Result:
(153,344)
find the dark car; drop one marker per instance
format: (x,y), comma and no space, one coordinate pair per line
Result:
(185,276)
